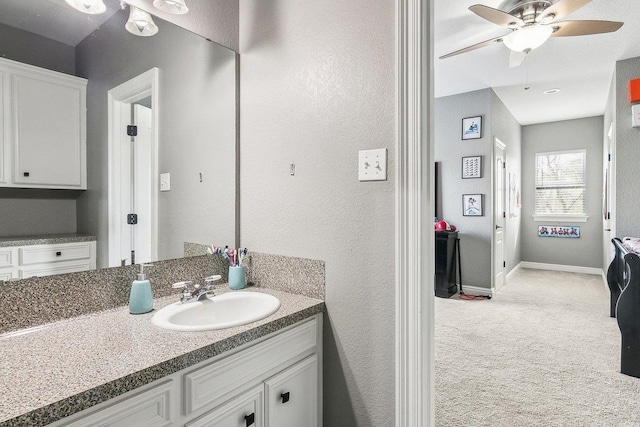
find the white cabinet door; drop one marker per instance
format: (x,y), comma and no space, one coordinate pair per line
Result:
(292,396)
(243,411)
(48,132)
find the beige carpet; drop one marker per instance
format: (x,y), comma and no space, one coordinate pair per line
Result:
(542,352)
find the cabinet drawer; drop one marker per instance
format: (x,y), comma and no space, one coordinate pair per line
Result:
(151,408)
(245,410)
(213,384)
(8,274)
(57,268)
(8,257)
(38,254)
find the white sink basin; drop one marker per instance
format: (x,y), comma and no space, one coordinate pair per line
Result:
(218,312)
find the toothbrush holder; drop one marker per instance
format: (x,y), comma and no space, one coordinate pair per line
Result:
(236,277)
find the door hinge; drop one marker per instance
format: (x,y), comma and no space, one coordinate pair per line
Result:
(609,157)
(504,264)
(132,219)
(132,130)
(504,214)
(504,165)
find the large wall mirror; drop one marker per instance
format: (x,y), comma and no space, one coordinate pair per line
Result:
(196,123)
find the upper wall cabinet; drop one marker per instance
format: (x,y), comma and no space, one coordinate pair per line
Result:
(44,135)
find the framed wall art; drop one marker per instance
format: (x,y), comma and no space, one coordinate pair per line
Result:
(472,205)
(472,128)
(472,167)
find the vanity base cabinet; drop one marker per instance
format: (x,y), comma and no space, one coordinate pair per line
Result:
(274,382)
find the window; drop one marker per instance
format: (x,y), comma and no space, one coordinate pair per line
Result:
(560,183)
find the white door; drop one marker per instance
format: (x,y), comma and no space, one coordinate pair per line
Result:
(499,214)
(136,186)
(142,184)
(608,196)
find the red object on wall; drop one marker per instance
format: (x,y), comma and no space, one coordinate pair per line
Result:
(634,90)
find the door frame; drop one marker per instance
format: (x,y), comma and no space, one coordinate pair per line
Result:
(119,99)
(498,145)
(414,237)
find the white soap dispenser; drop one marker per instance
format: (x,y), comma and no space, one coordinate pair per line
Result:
(141,298)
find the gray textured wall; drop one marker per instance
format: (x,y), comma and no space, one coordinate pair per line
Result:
(317,85)
(197,131)
(507,129)
(627,153)
(564,135)
(475,233)
(33,49)
(29,211)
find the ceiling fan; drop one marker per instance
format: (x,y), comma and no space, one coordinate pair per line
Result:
(532,22)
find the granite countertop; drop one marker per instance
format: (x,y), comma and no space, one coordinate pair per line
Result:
(55,370)
(44,239)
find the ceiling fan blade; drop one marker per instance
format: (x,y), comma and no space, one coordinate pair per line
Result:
(562,8)
(473,47)
(583,28)
(516,58)
(496,16)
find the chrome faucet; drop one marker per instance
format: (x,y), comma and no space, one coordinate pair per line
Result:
(199,292)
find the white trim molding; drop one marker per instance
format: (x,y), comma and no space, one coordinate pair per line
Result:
(560,267)
(514,270)
(414,260)
(559,218)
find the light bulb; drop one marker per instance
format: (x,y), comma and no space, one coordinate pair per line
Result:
(140,23)
(176,7)
(528,38)
(92,7)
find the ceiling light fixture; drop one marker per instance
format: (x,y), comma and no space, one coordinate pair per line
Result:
(176,7)
(551,91)
(140,23)
(92,7)
(528,38)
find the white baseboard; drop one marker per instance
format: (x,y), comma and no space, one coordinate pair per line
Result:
(476,290)
(514,270)
(559,267)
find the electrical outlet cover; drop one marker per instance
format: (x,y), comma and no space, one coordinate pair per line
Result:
(372,165)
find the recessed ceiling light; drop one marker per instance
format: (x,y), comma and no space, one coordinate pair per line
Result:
(551,91)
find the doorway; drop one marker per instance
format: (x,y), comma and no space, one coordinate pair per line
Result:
(499,215)
(133,166)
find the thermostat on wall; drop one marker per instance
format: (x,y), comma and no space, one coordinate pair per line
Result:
(635,115)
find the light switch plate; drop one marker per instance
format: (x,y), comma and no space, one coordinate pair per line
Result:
(372,165)
(165,181)
(635,115)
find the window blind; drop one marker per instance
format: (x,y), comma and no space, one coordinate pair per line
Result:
(560,182)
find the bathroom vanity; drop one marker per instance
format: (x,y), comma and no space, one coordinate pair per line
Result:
(113,368)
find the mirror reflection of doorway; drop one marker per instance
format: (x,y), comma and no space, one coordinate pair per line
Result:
(133,165)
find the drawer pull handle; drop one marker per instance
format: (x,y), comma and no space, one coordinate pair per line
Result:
(26,174)
(58,253)
(284,397)
(250,419)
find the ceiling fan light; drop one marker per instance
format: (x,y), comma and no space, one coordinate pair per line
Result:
(528,38)
(140,23)
(91,7)
(176,7)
